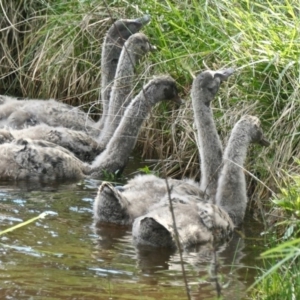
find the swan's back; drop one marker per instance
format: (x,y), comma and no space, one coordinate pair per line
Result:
(155,187)
(113,206)
(197,222)
(24,159)
(141,194)
(79,143)
(23,113)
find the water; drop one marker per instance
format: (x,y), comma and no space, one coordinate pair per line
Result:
(64,257)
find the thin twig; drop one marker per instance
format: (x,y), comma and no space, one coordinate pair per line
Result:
(176,235)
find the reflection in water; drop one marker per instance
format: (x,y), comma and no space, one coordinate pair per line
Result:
(151,260)
(109,235)
(66,257)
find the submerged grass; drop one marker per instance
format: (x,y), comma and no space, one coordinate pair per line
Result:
(40,216)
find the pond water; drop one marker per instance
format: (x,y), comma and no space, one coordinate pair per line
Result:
(64,257)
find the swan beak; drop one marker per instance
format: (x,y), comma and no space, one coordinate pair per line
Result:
(264,142)
(224,74)
(178,100)
(144,20)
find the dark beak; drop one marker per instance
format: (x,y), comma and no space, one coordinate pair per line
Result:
(144,20)
(264,142)
(178,100)
(224,74)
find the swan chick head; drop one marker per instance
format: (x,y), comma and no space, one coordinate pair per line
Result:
(138,44)
(223,74)
(208,83)
(110,206)
(124,28)
(254,128)
(163,88)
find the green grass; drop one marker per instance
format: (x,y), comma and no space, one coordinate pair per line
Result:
(280,278)
(259,39)
(55,52)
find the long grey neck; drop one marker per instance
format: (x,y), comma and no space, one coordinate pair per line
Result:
(120,94)
(117,152)
(209,144)
(111,50)
(231,194)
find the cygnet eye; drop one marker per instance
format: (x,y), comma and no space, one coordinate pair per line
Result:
(211,88)
(114,61)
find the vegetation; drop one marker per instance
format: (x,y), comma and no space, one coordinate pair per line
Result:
(280,278)
(52,49)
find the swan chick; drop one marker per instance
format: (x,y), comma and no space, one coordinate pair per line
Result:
(80,143)
(231,194)
(197,222)
(55,113)
(137,197)
(42,160)
(113,43)
(212,222)
(134,49)
(114,158)
(204,89)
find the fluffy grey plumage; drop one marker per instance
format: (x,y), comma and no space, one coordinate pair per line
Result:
(25,158)
(205,86)
(78,142)
(137,197)
(134,49)
(200,221)
(144,200)
(231,194)
(197,222)
(115,156)
(144,191)
(18,114)
(114,40)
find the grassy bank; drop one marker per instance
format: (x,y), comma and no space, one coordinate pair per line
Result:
(53,50)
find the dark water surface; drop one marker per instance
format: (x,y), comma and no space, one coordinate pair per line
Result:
(64,257)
